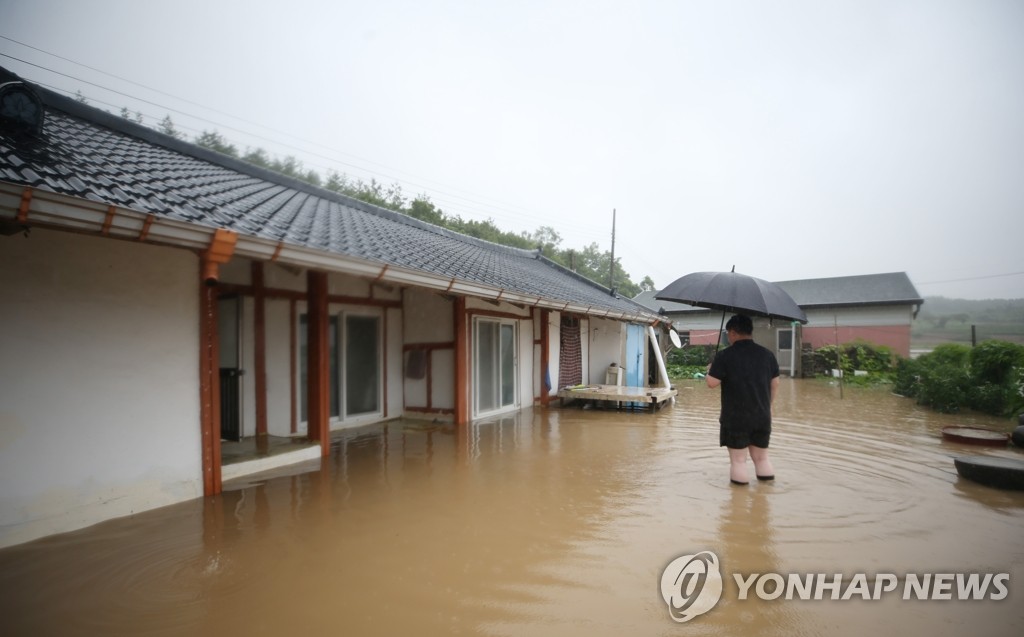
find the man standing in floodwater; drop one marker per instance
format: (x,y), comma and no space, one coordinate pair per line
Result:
(749,376)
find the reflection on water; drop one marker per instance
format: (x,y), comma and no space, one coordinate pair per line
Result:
(554,522)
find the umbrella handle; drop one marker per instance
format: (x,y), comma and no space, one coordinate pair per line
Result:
(720,328)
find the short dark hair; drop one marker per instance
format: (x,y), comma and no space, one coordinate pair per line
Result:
(741,323)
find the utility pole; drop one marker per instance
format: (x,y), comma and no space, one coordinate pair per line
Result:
(611,269)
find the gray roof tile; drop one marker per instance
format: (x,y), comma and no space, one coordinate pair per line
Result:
(87,153)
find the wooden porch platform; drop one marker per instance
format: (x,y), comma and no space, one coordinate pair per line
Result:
(651,398)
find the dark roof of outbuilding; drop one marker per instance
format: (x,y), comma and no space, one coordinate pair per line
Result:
(91,154)
(892,288)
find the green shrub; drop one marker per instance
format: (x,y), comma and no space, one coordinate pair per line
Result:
(693,355)
(685,362)
(989,397)
(908,378)
(938,379)
(944,387)
(995,367)
(869,357)
(828,358)
(988,378)
(948,354)
(994,361)
(877,360)
(1015,397)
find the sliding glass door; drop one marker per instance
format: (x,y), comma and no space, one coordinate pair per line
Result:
(355,352)
(494,369)
(362,353)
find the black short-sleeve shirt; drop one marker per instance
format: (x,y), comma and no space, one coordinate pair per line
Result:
(746,370)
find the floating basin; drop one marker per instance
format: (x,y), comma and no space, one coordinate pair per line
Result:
(1001,473)
(975,436)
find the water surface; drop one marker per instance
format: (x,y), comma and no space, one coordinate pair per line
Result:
(552,522)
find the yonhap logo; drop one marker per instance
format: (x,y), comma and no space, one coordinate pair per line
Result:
(691,585)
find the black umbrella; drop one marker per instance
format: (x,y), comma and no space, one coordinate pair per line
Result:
(733,292)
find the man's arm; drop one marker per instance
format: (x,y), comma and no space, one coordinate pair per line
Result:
(713,382)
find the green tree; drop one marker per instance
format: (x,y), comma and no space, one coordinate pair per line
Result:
(594,264)
(312,177)
(167,127)
(336,181)
(289,166)
(378,194)
(545,238)
(423,209)
(215,141)
(257,157)
(134,117)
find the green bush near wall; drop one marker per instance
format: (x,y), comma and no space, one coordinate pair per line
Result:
(988,378)
(685,362)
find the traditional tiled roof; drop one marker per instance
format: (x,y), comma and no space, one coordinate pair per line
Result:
(893,288)
(87,153)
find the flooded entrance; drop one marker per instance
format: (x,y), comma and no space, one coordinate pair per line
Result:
(554,522)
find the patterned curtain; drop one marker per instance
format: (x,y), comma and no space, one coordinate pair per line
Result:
(570,360)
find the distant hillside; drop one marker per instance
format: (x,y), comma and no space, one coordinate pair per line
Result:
(944,320)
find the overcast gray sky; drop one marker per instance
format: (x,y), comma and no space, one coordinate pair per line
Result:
(792,139)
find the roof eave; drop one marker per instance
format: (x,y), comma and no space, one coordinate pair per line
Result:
(36,207)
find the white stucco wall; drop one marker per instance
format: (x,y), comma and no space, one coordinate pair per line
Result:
(277,322)
(393,362)
(527,369)
(428,319)
(99,395)
(861,316)
(606,343)
(585,352)
(554,350)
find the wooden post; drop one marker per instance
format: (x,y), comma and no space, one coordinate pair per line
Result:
(839,354)
(260,348)
(461,362)
(209,387)
(318,373)
(545,346)
(293,365)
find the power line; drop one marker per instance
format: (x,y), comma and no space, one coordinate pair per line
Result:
(452,202)
(501,206)
(973,278)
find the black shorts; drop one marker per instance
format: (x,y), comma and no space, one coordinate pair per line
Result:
(743,437)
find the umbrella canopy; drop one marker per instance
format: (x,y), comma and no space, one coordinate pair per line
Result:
(733,292)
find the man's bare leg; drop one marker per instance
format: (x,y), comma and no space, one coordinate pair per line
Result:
(738,466)
(762,465)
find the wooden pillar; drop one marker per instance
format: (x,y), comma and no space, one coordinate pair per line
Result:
(260,347)
(318,359)
(209,387)
(293,365)
(545,356)
(461,362)
(384,358)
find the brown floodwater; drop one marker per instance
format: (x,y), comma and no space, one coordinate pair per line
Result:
(552,522)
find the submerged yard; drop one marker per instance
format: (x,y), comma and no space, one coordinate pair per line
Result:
(552,522)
